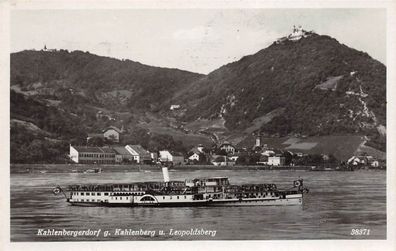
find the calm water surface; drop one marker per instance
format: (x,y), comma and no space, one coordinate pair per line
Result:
(337,203)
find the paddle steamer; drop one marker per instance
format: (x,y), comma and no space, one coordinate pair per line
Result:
(214,191)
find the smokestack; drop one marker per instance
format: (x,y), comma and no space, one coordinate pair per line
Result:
(165,173)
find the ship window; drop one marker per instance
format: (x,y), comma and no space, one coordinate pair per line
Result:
(82,193)
(120,198)
(170,197)
(97,193)
(106,193)
(177,197)
(185,197)
(163,197)
(116,198)
(92,200)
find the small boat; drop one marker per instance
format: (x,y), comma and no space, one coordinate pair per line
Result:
(96,170)
(213,191)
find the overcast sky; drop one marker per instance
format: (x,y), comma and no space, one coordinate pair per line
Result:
(194,40)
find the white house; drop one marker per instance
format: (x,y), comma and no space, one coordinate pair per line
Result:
(175,158)
(223,161)
(363,160)
(112,133)
(268,153)
(194,156)
(276,161)
(196,152)
(174,107)
(139,154)
(228,148)
(355,161)
(234,158)
(165,156)
(200,148)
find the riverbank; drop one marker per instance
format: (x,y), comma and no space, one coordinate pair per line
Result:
(86,168)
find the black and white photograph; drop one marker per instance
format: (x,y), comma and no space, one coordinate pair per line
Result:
(198,124)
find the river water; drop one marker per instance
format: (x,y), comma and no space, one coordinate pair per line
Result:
(337,203)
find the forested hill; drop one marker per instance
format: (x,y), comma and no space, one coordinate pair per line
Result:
(57,97)
(117,84)
(312,86)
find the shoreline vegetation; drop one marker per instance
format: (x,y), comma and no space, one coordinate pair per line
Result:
(90,168)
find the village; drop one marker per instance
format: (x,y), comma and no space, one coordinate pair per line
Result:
(222,155)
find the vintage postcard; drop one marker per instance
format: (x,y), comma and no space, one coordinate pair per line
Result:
(146,124)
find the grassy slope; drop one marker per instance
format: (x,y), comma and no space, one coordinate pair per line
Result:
(342,147)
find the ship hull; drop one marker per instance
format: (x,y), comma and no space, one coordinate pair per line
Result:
(267,202)
(210,203)
(205,192)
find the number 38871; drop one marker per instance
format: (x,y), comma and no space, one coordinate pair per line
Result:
(360,231)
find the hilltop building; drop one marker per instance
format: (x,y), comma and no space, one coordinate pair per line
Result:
(297,34)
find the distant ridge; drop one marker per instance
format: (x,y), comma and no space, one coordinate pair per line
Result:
(303,85)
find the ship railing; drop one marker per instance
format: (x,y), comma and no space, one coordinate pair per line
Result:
(170,192)
(138,186)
